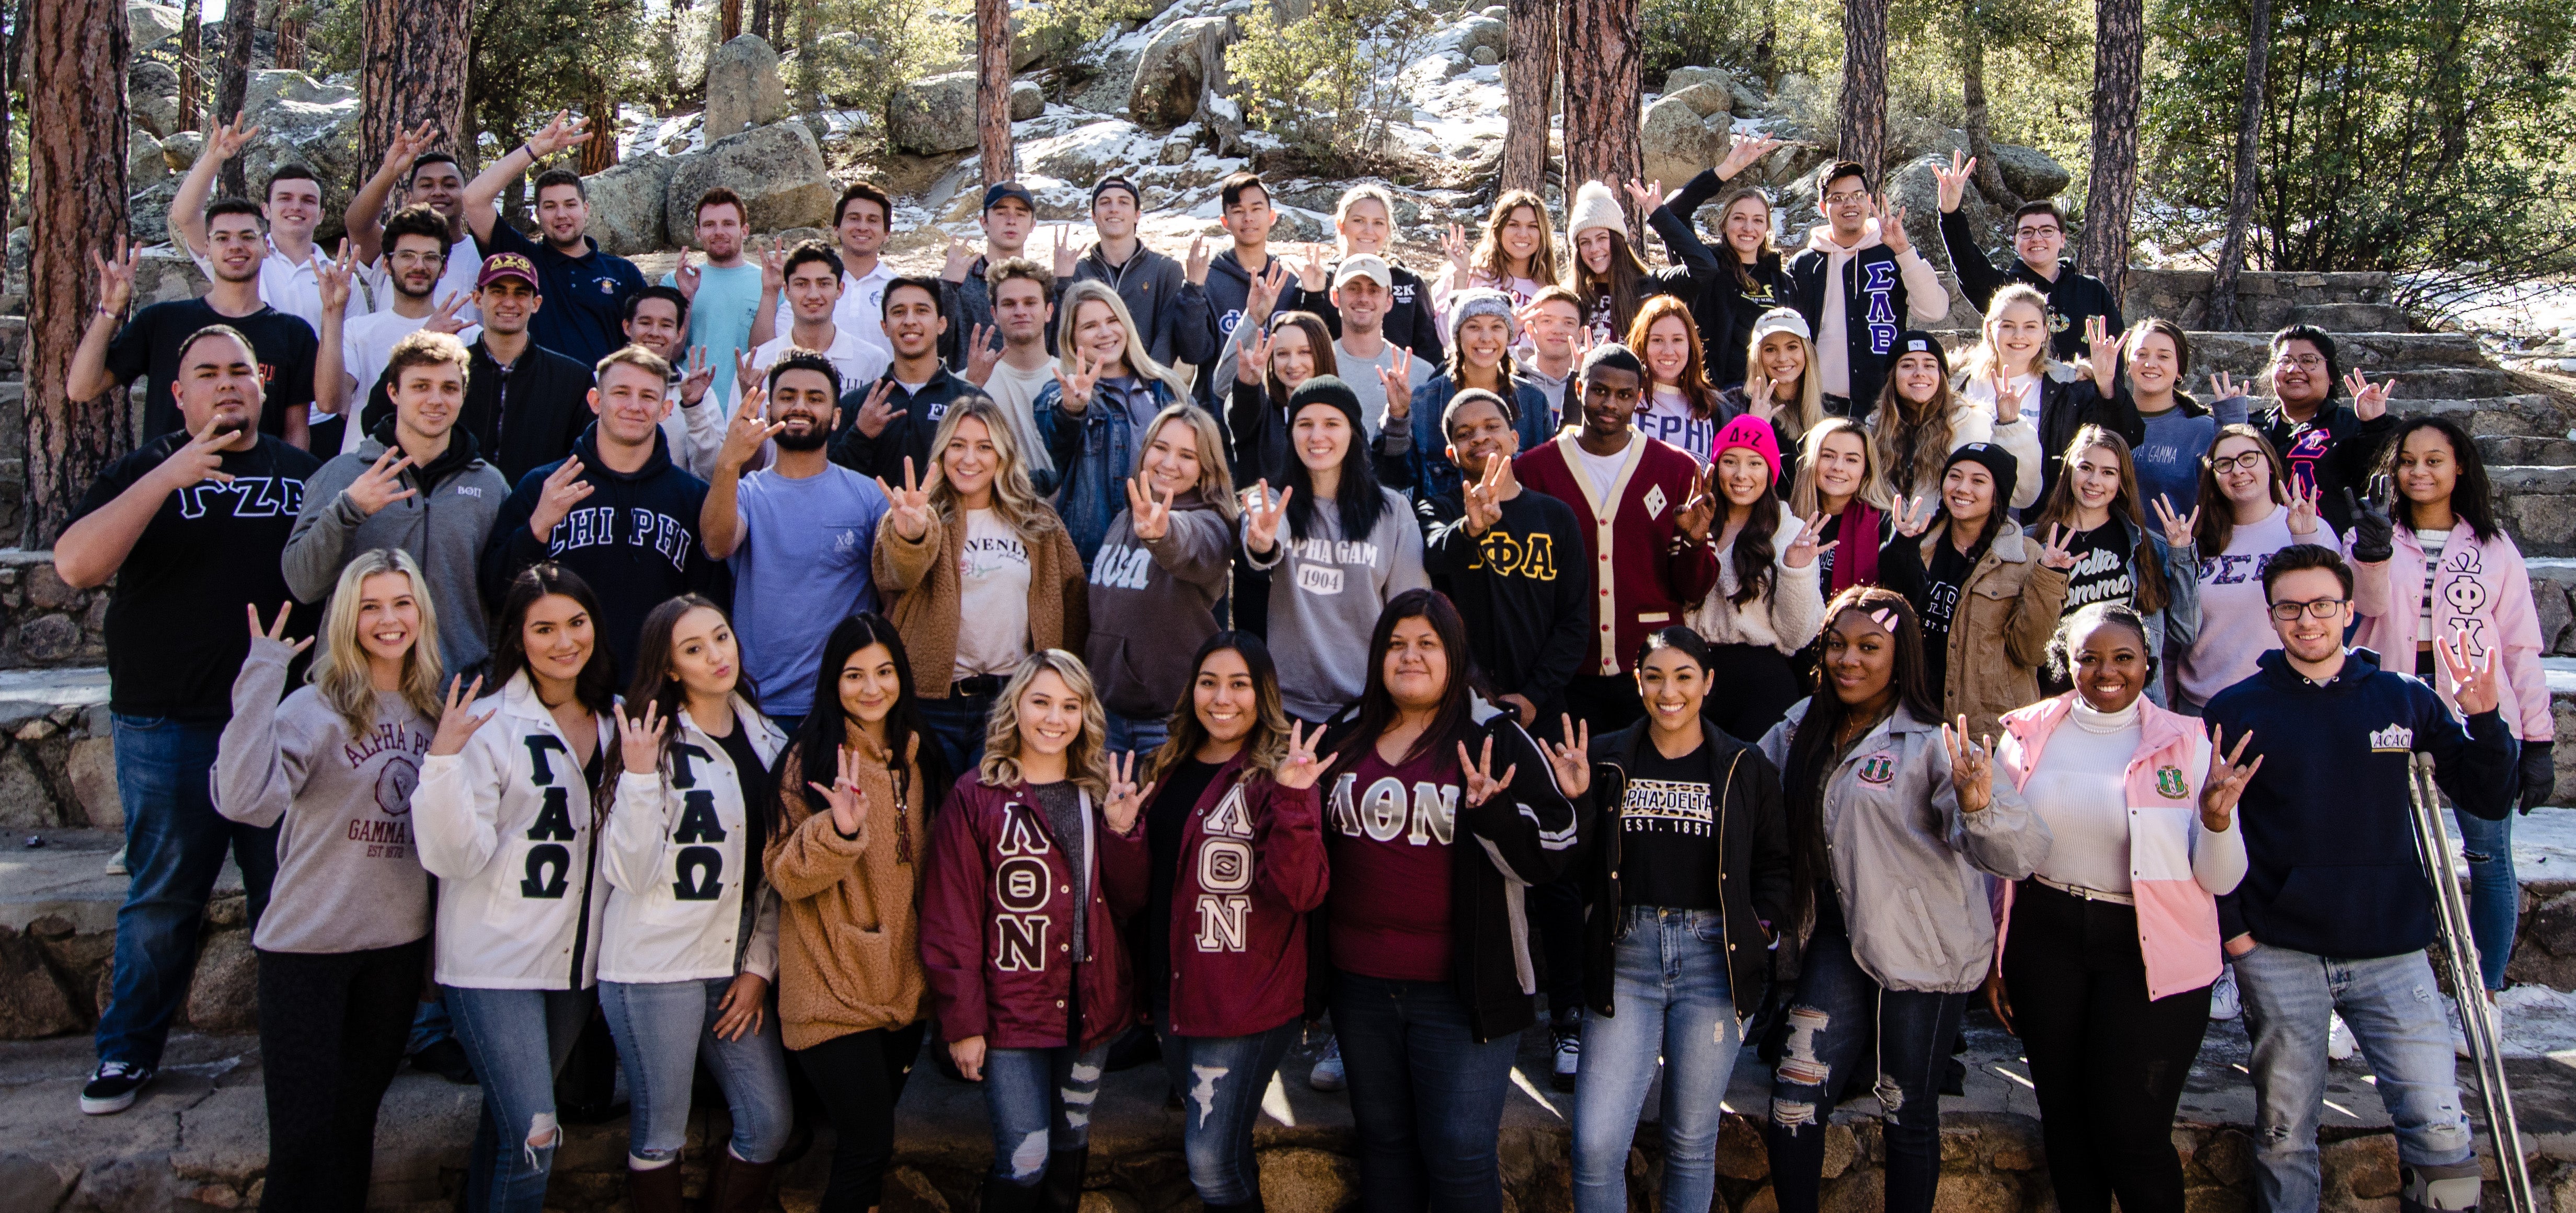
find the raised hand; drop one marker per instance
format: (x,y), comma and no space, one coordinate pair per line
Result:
(1064,258)
(876,412)
(1252,349)
(2374,533)
(1953,181)
(1646,197)
(748,431)
(1699,509)
(1261,296)
(445,320)
(910,506)
(229,138)
(1126,799)
(457,721)
(332,276)
(567,130)
(2179,530)
(1454,244)
(115,277)
(1804,549)
(2105,345)
(1478,774)
(277,631)
(1914,514)
(2303,507)
(2226,783)
(1891,227)
(1741,154)
(1147,518)
(1261,520)
(1397,378)
(564,489)
(381,484)
(982,355)
(408,145)
(2473,676)
(1972,767)
(1074,392)
(848,800)
(746,370)
(2369,400)
(961,259)
(639,737)
(1757,396)
(1301,768)
(1195,266)
(686,276)
(2007,399)
(1484,498)
(2053,551)
(773,270)
(201,459)
(1311,275)
(2223,385)
(1571,758)
(698,373)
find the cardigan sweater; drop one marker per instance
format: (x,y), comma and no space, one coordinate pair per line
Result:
(922,576)
(1645,571)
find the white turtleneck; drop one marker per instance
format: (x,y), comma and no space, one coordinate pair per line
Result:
(2079,791)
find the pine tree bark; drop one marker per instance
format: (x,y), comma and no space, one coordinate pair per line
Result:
(192,55)
(412,70)
(1972,98)
(240,19)
(1862,130)
(2111,193)
(290,41)
(76,195)
(1529,85)
(729,22)
(2241,188)
(1602,67)
(993,91)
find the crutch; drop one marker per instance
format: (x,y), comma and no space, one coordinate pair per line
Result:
(2460,960)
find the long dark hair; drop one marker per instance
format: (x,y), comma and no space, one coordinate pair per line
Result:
(2471,496)
(1319,338)
(1358,500)
(1752,551)
(1813,740)
(1694,384)
(1263,748)
(656,684)
(595,687)
(1622,283)
(1377,710)
(2151,591)
(827,724)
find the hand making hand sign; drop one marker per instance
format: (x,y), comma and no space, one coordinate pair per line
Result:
(1261,520)
(909,507)
(1148,519)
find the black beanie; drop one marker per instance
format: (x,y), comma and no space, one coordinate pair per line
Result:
(1916,341)
(1327,389)
(1995,460)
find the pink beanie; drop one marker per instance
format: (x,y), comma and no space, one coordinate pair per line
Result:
(1753,434)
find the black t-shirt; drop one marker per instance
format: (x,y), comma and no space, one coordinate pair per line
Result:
(2101,572)
(175,640)
(149,345)
(1941,585)
(749,773)
(1668,832)
(1165,820)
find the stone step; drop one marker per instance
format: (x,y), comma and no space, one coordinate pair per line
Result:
(2243,354)
(2353,317)
(2509,448)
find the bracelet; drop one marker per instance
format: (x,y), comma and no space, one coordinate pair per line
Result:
(530,148)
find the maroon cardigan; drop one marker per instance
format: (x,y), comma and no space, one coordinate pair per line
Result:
(1645,574)
(1252,865)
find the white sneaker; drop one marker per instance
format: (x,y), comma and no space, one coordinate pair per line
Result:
(1327,1074)
(2224,1002)
(116,863)
(1568,1039)
(2451,1020)
(2340,1045)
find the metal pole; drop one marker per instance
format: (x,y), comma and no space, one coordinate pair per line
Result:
(2460,963)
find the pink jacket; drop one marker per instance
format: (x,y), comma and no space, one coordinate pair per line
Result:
(2483,588)
(2177,918)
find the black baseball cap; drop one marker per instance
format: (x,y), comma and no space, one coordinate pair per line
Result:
(1009,189)
(1115,182)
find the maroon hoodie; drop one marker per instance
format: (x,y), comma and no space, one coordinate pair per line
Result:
(997,916)
(1252,865)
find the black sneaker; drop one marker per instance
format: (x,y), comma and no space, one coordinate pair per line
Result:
(1566,1035)
(113,1086)
(445,1058)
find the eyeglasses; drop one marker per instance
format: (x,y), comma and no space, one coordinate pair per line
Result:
(420,258)
(2322,608)
(2029,233)
(2305,362)
(2235,463)
(1847,198)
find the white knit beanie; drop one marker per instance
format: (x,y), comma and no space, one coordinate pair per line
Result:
(1595,206)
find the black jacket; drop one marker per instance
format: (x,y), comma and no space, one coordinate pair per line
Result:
(2072,297)
(1523,588)
(1410,321)
(1727,304)
(909,433)
(527,415)
(2335,447)
(2070,405)
(1753,872)
(1875,310)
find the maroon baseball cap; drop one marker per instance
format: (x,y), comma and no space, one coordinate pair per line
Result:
(507,265)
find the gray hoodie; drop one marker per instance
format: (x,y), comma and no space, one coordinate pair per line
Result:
(1326,593)
(348,876)
(1153,602)
(442,525)
(1909,868)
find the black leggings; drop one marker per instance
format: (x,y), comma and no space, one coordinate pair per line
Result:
(331,1034)
(860,1076)
(2108,1064)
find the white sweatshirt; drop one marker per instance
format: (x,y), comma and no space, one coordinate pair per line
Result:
(1785,618)
(676,858)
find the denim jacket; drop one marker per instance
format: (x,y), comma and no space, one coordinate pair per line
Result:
(1095,451)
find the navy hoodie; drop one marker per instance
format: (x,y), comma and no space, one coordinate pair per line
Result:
(2329,835)
(634,540)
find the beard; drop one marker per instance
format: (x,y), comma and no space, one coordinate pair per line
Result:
(811,439)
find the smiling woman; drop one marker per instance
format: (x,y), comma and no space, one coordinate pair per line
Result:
(1159,574)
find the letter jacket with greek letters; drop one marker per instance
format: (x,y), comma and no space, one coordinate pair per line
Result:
(679,856)
(1252,866)
(997,922)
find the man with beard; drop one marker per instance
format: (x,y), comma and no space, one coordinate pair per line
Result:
(2329,445)
(587,288)
(429,179)
(724,294)
(353,351)
(150,343)
(799,534)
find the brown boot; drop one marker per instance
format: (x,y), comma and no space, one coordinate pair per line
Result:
(654,1191)
(740,1187)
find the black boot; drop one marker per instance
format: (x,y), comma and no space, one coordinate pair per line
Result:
(1003,1196)
(1063,1185)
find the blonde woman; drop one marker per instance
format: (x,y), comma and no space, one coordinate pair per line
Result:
(1838,478)
(1751,280)
(1106,388)
(1516,254)
(2011,359)
(1034,862)
(1778,377)
(347,927)
(1364,225)
(1160,573)
(982,574)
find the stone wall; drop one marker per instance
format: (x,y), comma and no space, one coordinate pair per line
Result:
(2265,300)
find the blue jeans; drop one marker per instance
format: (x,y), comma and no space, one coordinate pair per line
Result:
(2395,1016)
(1670,1000)
(1221,1080)
(1138,735)
(663,1030)
(1426,1096)
(2495,896)
(1837,1011)
(957,722)
(517,1041)
(430,1024)
(1040,1104)
(174,848)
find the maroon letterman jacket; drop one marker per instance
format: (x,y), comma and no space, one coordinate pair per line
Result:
(1252,866)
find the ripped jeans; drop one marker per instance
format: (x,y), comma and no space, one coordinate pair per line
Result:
(1221,1080)
(1834,1018)
(517,1041)
(1039,1101)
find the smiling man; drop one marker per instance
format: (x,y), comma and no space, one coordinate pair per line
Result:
(588,287)
(2039,248)
(419,485)
(523,404)
(1856,282)
(291,201)
(879,431)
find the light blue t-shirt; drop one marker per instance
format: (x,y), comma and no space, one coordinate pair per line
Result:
(800,568)
(2169,460)
(721,314)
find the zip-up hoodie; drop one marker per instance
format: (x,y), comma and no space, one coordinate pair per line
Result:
(997,922)
(444,525)
(2331,867)
(510,829)
(1751,877)
(1326,590)
(1251,869)
(1171,314)
(907,436)
(2177,870)
(678,862)
(634,540)
(1153,601)
(1874,290)
(2483,588)
(1909,867)
(1527,834)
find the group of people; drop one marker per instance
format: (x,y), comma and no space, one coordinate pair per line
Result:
(796,660)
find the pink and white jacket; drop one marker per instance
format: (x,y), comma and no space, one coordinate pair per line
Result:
(2482,588)
(2177,913)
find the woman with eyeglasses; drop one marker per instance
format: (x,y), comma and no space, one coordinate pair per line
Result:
(2247,510)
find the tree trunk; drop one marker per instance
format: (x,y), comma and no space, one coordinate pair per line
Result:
(1863,126)
(76,180)
(1972,97)
(290,41)
(412,70)
(599,153)
(1601,97)
(240,18)
(192,54)
(1529,83)
(993,91)
(729,24)
(2119,50)
(2240,190)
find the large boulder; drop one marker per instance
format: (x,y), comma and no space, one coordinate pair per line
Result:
(1084,154)
(934,115)
(180,151)
(1481,32)
(304,121)
(1027,100)
(742,87)
(1686,77)
(144,164)
(626,204)
(1675,142)
(152,90)
(778,169)
(1181,62)
(151,23)
(2031,172)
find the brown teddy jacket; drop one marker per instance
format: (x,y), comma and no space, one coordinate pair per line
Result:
(849,935)
(921,576)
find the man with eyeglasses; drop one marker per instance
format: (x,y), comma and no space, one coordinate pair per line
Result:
(2335,911)
(2039,243)
(346,371)
(1858,281)
(2329,445)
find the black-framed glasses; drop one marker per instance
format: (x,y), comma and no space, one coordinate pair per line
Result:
(2242,462)
(2319,608)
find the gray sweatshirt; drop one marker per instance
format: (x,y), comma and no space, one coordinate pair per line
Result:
(1153,602)
(348,878)
(1326,593)
(442,525)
